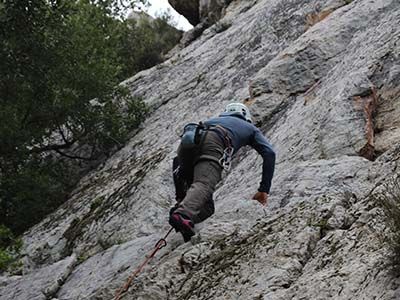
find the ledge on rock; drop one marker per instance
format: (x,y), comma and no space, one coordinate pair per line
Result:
(212,9)
(42,284)
(188,8)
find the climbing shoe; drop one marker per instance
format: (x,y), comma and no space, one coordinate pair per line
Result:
(182,224)
(173,208)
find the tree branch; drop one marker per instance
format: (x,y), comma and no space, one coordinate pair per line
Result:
(52,147)
(73,156)
(62,133)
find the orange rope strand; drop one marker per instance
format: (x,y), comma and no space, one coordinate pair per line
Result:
(160,244)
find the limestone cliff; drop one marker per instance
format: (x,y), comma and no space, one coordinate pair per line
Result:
(324,78)
(200,11)
(189,9)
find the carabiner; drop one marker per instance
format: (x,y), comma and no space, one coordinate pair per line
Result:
(226,158)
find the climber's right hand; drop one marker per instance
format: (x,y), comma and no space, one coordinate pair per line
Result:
(261,197)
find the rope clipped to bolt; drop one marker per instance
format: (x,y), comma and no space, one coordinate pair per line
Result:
(159,245)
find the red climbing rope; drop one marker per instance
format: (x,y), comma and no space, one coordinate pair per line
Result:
(160,244)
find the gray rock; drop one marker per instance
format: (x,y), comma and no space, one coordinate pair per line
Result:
(212,9)
(200,11)
(188,8)
(42,284)
(305,62)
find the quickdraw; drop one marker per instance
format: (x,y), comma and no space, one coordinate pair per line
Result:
(159,245)
(226,158)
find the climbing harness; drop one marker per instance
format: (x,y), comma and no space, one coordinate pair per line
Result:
(192,139)
(159,245)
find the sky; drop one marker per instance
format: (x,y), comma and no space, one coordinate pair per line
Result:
(158,6)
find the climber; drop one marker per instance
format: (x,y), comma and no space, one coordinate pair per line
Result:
(204,151)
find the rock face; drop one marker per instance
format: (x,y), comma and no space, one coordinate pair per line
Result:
(212,9)
(324,78)
(187,8)
(196,11)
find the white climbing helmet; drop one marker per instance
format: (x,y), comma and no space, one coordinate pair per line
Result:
(239,108)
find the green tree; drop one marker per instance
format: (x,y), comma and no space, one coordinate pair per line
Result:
(146,41)
(60,65)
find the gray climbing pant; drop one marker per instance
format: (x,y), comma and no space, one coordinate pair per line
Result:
(198,203)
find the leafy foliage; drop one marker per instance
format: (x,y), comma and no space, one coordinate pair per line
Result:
(9,248)
(389,200)
(60,65)
(145,46)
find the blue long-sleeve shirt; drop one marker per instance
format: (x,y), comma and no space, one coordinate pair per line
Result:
(244,133)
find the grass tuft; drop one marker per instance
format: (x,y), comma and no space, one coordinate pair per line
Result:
(389,200)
